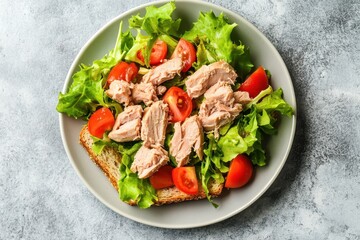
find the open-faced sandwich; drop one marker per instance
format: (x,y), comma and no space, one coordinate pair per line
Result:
(174,116)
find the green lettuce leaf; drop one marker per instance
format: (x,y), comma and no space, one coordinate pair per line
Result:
(242,61)
(157,20)
(241,137)
(140,43)
(267,122)
(258,156)
(100,143)
(203,55)
(260,96)
(275,102)
(212,167)
(212,35)
(215,33)
(131,188)
(171,43)
(157,23)
(258,120)
(232,144)
(86,92)
(83,96)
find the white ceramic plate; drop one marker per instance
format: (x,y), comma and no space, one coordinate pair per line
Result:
(193,213)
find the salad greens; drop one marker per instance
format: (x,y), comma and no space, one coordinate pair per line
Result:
(86,92)
(157,22)
(131,188)
(211,35)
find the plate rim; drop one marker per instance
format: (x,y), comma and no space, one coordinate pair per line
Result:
(226,12)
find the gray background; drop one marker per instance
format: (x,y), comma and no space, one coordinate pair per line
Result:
(316,196)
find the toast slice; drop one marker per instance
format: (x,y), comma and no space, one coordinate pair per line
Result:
(109,160)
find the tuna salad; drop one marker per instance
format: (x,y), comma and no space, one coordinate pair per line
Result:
(189,100)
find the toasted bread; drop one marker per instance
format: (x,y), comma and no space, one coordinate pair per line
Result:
(109,160)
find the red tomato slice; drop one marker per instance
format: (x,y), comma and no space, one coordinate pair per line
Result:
(123,71)
(100,121)
(162,178)
(240,172)
(185,179)
(255,83)
(179,102)
(187,52)
(158,53)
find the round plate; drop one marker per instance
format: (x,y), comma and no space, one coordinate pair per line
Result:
(193,213)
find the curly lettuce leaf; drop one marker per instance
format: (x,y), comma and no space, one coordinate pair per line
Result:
(267,122)
(203,55)
(171,43)
(242,61)
(131,188)
(83,96)
(258,156)
(275,102)
(240,138)
(157,23)
(257,121)
(140,43)
(212,35)
(157,20)
(212,167)
(215,33)
(100,143)
(260,96)
(86,92)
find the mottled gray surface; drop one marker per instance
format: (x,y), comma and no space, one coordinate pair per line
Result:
(317,195)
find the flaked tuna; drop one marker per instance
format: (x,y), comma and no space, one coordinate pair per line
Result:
(149,160)
(144,92)
(187,136)
(166,71)
(209,75)
(220,107)
(120,91)
(242,97)
(127,125)
(154,124)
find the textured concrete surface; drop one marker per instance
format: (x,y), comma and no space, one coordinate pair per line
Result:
(317,195)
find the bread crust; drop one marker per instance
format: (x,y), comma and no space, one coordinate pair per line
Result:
(109,160)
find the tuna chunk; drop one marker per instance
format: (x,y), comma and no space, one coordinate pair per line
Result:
(127,125)
(214,114)
(144,92)
(166,71)
(149,160)
(120,91)
(207,76)
(187,136)
(221,91)
(220,107)
(160,90)
(242,97)
(127,132)
(154,124)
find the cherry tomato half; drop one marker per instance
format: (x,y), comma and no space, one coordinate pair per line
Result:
(122,71)
(185,179)
(255,83)
(187,52)
(100,121)
(158,53)
(240,172)
(162,178)
(179,102)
